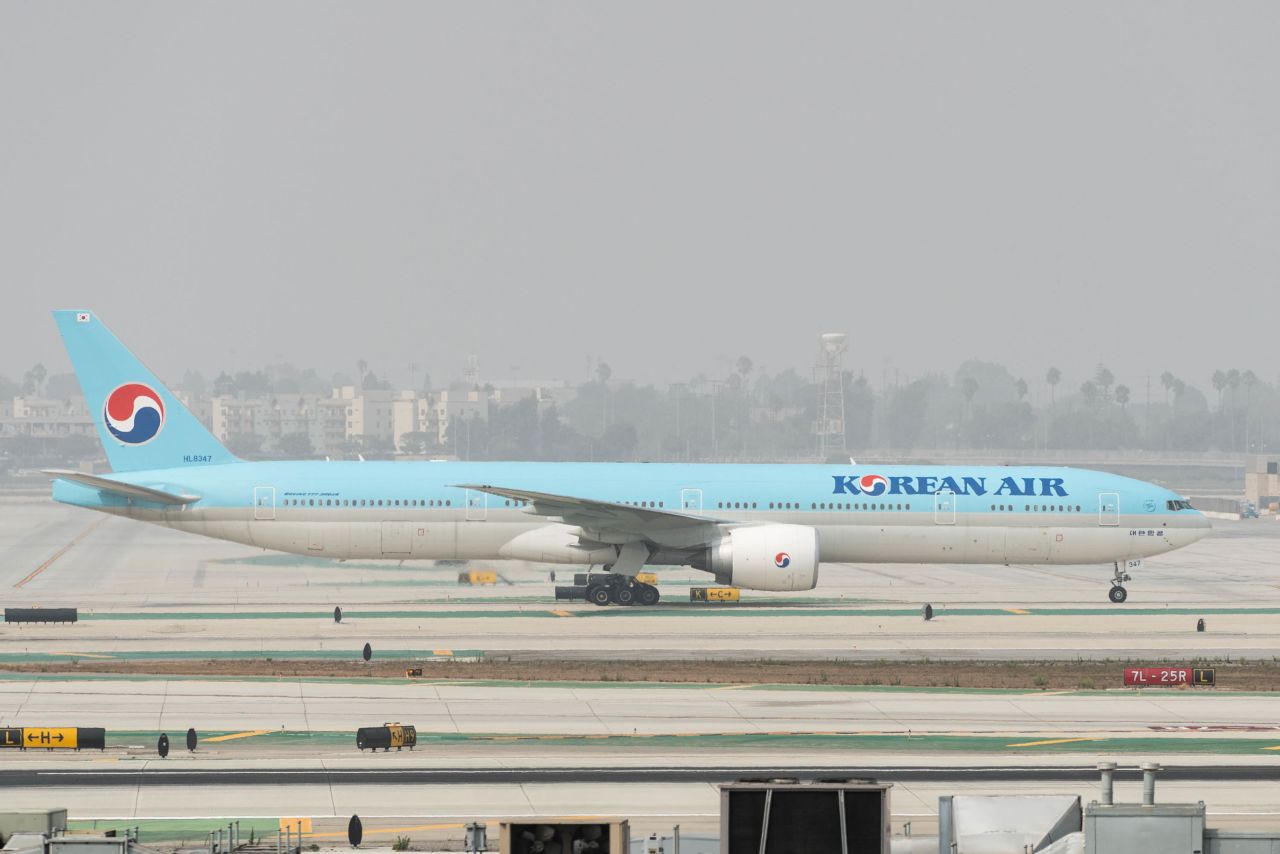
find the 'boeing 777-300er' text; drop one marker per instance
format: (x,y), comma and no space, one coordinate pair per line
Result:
(760,527)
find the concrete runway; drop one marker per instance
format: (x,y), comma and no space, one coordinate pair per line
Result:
(146,592)
(601,709)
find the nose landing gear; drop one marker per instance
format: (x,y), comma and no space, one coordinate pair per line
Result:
(1117,593)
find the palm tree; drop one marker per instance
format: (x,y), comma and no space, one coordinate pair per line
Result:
(1053,376)
(1233,383)
(1219,383)
(1167,380)
(1122,395)
(603,372)
(1105,379)
(1020,386)
(1091,393)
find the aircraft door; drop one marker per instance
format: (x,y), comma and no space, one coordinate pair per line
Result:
(397,538)
(691,500)
(944,508)
(264,502)
(477,505)
(1109,508)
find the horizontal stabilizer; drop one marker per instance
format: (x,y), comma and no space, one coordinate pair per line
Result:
(124,490)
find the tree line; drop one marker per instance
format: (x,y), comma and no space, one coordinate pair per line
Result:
(752,414)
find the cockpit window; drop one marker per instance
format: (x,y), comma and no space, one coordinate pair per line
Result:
(1178,504)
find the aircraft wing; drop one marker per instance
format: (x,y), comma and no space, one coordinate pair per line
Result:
(124,490)
(609,521)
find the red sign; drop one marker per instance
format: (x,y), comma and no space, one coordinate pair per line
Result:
(1167,676)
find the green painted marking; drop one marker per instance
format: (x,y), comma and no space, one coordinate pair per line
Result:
(177,829)
(541,609)
(239,655)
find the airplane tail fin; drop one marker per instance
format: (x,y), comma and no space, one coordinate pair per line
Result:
(141,424)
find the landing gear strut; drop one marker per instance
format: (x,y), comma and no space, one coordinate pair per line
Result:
(615,588)
(1118,594)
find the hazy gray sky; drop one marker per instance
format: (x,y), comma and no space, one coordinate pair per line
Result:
(658,184)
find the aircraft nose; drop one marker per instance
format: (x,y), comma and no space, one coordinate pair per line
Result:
(1198,527)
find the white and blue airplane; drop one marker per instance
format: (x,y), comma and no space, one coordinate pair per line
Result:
(759,527)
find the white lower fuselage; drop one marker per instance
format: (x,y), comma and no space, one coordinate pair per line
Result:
(844,537)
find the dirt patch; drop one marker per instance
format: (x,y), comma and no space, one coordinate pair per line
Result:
(1030,675)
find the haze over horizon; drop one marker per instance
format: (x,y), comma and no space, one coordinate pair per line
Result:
(229,186)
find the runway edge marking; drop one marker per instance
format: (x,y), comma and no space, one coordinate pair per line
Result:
(60,552)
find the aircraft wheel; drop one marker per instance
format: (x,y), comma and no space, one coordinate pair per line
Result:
(1118,594)
(625,595)
(598,594)
(648,595)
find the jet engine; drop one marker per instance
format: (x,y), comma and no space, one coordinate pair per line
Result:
(766,557)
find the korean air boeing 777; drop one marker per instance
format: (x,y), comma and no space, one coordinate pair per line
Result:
(760,527)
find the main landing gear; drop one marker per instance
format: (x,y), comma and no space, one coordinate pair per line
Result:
(1118,594)
(616,589)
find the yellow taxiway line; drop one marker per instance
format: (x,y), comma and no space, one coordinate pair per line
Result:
(234,735)
(1050,741)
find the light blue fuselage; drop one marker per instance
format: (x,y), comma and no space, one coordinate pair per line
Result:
(925,514)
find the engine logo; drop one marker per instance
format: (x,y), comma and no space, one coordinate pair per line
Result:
(782,560)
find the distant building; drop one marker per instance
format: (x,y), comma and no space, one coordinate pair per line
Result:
(348,417)
(1262,481)
(45,417)
(462,405)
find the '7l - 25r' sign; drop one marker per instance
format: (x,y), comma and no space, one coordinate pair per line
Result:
(1167,676)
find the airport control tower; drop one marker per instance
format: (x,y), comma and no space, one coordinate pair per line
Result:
(829,376)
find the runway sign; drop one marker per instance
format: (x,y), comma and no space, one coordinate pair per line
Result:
(1167,676)
(714,594)
(51,738)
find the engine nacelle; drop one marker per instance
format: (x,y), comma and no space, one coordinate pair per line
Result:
(767,557)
